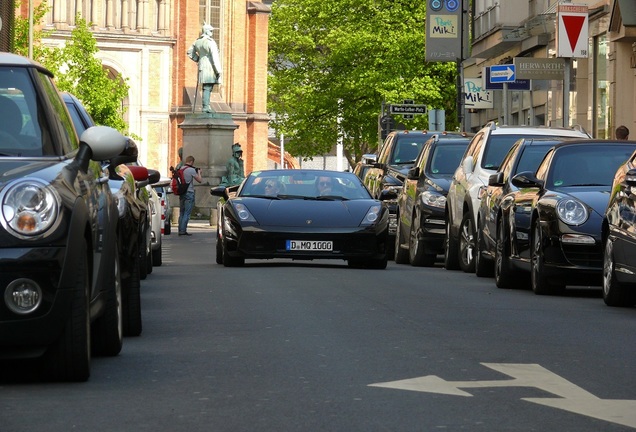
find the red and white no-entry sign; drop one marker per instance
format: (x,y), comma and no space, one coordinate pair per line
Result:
(572,31)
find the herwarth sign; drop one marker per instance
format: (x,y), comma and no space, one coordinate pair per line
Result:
(539,68)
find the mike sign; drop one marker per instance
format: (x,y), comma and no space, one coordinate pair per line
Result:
(572,31)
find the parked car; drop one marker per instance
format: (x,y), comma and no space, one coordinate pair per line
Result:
(422,200)
(566,200)
(496,244)
(619,238)
(126,183)
(301,215)
(162,188)
(482,158)
(388,168)
(59,271)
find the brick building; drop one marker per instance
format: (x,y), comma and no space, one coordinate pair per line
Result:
(146,42)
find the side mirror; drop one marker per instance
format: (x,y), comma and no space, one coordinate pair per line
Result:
(388,194)
(526,179)
(467,165)
(496,179)
(413,174)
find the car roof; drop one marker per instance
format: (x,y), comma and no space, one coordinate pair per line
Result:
(575,131)
(546,140)
(10,59)
(595,142)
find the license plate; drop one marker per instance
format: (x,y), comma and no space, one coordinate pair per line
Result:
(309,245)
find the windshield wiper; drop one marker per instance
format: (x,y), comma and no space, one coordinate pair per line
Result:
(332,198)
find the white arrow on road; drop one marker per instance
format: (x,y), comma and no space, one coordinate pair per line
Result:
(571,397)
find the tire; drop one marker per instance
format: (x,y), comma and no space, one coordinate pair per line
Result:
(614,293)
(230,261)
(131,294)
(167,227)
(504,275)
(451,260)
(157,259)
(143,259)
(69,359)
(467,244)
(108,330)
(417,256)
(219,250)
(483,266)
(538,280)
(149,258)
(401,255)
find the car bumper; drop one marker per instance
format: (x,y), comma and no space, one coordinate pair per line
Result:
(263,243)
(29,335)
(574,264)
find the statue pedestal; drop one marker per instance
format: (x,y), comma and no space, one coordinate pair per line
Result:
(209,138)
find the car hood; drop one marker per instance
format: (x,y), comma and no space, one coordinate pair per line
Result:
(596,199)
(298,212)
(440,184)
(16,168)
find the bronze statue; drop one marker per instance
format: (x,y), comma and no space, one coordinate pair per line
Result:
(235,171)
(205,52)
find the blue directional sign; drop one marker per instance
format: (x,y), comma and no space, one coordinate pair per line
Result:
(502,73)
(520,84)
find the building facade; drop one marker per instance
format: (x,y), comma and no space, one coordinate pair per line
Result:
(146,42)
(602,87)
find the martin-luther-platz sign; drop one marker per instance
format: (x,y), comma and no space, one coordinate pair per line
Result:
(539,68)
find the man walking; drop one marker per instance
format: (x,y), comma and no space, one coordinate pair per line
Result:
(205,52)
(186,200)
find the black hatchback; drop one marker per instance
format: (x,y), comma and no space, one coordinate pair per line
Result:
(60,282)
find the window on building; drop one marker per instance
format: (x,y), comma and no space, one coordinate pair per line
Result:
(210,13)
(600,51)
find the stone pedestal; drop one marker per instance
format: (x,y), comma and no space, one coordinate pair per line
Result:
(209,138)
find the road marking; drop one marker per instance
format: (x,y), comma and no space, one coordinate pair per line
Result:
(571,398)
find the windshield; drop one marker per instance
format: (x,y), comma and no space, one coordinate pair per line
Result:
(304,184)
(446,158)
(587,165)
(407,148)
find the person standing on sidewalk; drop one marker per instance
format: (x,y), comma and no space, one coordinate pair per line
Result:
(186,200)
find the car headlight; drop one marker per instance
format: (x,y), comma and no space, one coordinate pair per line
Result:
(30,207)
(433,199)
(572,211)
(243,213)
(372,215)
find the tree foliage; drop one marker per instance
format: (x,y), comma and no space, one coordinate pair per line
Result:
(78,70)
(332,64)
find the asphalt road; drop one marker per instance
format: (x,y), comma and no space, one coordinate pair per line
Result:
(316,346)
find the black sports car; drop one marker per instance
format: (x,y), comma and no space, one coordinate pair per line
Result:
(619,238)
(422,200)
(497,206)
(304,215)
(60,279)
(559,213)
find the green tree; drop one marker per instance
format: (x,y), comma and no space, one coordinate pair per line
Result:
(77,69)
(332,64)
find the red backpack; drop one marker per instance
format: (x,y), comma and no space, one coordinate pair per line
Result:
(178,184)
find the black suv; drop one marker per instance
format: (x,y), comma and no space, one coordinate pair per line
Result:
(388,169)
(59,276)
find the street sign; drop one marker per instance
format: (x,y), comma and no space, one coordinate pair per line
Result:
(502,73)
(572,31)
(407,109)
(518,84)
(539,68)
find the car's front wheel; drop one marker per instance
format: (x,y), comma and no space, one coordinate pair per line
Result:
(69,359)
(483,265)
(538,278)
(401,255)
(614,293)
(131,295)
(467,244)
(108,330)
(503,273)
(230,261)
(417,254)
(451,260)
